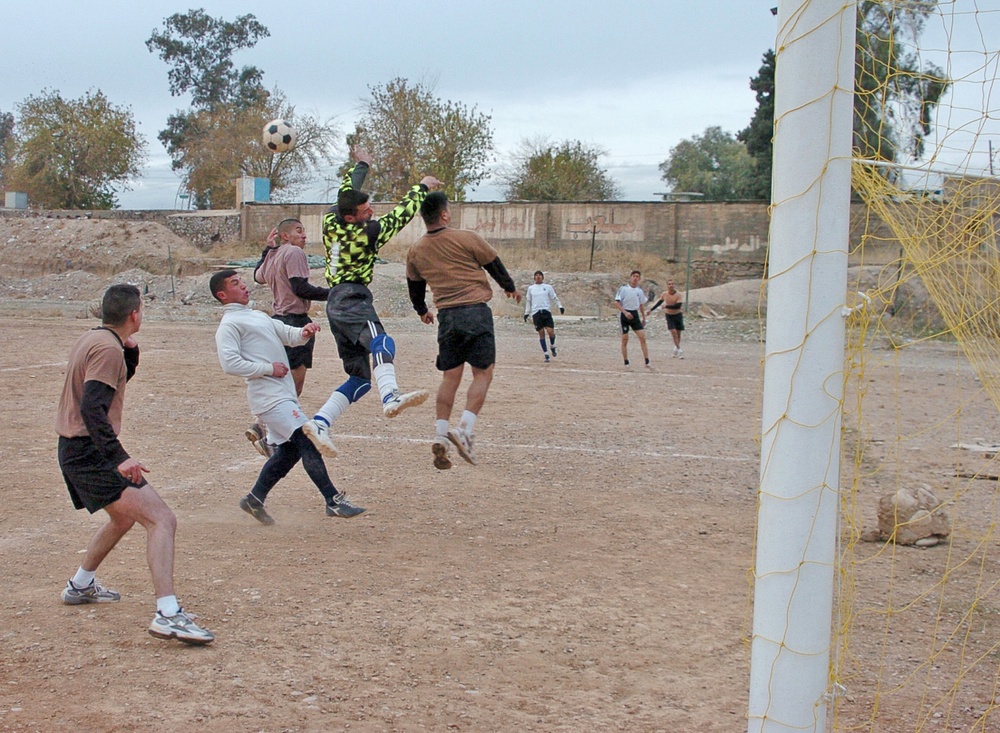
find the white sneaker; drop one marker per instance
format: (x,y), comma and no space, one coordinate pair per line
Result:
(397,402)
(180,626)
(319,436)
(676,352)
(680,353)
(463,442)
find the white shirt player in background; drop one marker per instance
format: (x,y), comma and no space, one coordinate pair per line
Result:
(538,304)
(631,301)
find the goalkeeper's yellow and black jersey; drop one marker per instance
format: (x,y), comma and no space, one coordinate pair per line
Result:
(351,249)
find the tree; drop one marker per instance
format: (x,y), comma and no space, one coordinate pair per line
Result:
(199,50)
(894,97)
(758,136)
(565,171)
(225,143)
(73,154)
(714,164)
(411,133)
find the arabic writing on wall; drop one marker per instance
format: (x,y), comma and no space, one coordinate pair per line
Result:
(508,222)
(752,244)
(576,226)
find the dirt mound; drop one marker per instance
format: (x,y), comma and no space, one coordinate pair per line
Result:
(31,247)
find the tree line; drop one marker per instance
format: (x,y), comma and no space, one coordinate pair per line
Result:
(80,153)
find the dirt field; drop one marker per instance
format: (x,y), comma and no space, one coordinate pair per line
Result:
(592,573)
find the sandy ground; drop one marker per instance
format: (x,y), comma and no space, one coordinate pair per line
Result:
(592,573)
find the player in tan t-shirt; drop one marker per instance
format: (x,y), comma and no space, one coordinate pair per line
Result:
(100,474)
(452,262)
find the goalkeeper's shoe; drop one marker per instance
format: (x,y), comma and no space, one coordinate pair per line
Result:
(395,403)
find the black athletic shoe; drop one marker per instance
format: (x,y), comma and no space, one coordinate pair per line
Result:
(255,509)
(339,506)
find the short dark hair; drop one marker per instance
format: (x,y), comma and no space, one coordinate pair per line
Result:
(285,224)
(349,200)
(539,272)
(435,204)
(635,272)
(118,303)
(216,283)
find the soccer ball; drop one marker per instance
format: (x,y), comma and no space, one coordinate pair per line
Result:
(279,136)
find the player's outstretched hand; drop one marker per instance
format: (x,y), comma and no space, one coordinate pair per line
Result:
(515,295)
(431,182)
(132,470)
(272,238)
(361,155)
(310,329)
(562,311)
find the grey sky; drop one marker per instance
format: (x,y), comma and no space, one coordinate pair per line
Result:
(634,77)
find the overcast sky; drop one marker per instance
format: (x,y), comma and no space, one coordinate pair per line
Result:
(634,77)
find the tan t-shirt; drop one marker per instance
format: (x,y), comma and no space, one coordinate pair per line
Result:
(96,356)
(451,262)
(282,263)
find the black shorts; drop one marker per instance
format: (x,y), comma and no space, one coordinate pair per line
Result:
(298,355)
(675,321)
(353,323)
(635,323)
(465,335)
(542,319)
(92,481)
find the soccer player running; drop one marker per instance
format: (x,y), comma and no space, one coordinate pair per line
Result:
(452,261)
(100,474)
(352,239)
(630,301)
(538,304)
(672,303)
(252,345)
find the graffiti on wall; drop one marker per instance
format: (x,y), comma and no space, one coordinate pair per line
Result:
(577,225)
(753,243)
(507,222)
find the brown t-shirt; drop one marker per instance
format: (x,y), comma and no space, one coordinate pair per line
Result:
(97,356)
(451,262)
(281,264)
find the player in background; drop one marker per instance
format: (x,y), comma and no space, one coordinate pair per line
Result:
(452,262)
(252,345)
(630,301)
(284,267)
(352,239)
(100,474)
(538,304)
(672,302)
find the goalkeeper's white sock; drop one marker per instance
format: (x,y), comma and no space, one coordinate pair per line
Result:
(468,421)
(441,426)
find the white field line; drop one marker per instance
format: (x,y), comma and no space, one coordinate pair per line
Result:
(33,366)
(553,448)
(623,371)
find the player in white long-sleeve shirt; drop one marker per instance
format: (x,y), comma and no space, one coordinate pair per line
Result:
(538,304)
(251,345)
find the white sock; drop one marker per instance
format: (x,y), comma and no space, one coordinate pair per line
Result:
(385,378)
(333,408)
(468,421)
(441,426)
(168,606)
(83,578)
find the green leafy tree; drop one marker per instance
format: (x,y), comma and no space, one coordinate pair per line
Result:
(411,133)
(199,50)
(565,171)
(715,164)
(894,95)
(73,153)
(759,135)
